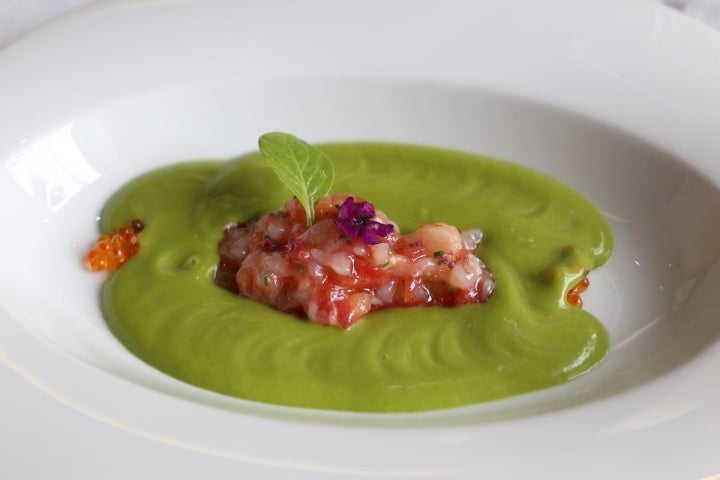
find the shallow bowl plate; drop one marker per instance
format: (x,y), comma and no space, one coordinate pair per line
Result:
(619,101)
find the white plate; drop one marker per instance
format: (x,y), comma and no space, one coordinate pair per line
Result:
(619,99)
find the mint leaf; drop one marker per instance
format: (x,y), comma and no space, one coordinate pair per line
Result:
(304,169)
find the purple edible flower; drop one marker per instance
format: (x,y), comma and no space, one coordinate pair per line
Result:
(353,219)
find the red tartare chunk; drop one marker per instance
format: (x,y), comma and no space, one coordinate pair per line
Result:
(344,266)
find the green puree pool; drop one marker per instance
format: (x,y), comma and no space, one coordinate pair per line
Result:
(539,238)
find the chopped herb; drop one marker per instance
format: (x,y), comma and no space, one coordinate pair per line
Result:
(266,281)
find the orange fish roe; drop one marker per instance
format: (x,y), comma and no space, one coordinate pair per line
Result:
(111,252)
(573,296)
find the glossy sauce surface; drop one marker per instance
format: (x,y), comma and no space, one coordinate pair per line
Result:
(540,239)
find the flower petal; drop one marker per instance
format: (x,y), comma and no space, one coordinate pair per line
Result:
(364,210)
(372,232)
(346,210)
(348,229)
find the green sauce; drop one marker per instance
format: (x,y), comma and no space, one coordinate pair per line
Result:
(540,237)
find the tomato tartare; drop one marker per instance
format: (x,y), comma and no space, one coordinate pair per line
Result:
(352,260)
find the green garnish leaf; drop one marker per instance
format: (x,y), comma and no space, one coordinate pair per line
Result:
(303,168)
